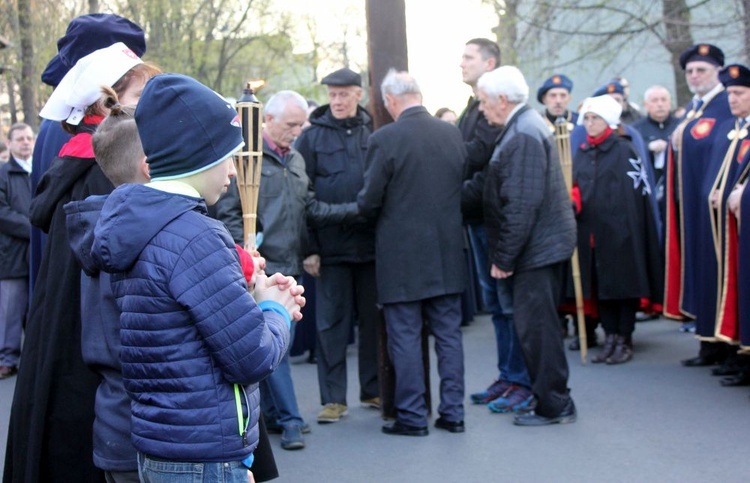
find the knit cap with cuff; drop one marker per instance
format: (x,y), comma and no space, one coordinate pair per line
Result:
(185,127)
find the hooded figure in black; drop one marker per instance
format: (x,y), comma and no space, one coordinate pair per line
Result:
(618,242)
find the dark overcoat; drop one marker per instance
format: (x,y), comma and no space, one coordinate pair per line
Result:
(49,434)
(413,187)
(616,215)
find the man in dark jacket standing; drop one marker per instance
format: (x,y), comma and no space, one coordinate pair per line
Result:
(15,199)
(530,231)
(413,189)
(510,388)
(342,255)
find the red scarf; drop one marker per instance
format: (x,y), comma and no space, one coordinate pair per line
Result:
(593,142)
(79,145)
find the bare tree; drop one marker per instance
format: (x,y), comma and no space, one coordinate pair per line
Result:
(28,70)
(745,15)
(599,29)
(678,38)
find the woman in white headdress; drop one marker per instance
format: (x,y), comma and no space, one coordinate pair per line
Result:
(617,235)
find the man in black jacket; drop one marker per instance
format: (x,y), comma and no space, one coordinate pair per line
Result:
(510,389)
(413,189)
(530,231)
(341,255)
(15,199)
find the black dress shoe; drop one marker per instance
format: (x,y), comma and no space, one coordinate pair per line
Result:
(400,429)
(450,426)
(699,361)
(567,415)
(725,370)
(741,379)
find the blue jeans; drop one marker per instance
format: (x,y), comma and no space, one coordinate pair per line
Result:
(14,305)
(277,399)
(156,471)
(498,300)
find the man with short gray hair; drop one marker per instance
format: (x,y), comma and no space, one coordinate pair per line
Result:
(283,224)
(531,232)
(413,189)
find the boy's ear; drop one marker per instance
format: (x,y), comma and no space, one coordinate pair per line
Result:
(145,169)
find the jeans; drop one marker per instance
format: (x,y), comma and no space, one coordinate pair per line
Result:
(157,471)
(277,399)
(498,299)
(14,304)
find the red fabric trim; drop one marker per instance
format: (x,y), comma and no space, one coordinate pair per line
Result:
(247,263)
(79,146)
(600,138)
(589,308)
(673,276)
(729,317)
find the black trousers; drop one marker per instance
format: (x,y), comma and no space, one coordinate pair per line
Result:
(536,293)
(618,316)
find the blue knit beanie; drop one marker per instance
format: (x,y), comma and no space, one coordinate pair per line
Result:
(185,127)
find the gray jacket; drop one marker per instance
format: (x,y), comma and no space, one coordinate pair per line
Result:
(283,200)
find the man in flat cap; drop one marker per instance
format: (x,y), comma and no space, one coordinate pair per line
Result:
(342,255)
(688,239)
(731,146)
(554,94)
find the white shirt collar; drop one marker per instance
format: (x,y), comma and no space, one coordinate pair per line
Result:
(24,163)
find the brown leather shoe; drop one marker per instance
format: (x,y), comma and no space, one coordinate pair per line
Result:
(623,352)
(8,371)
(607,350)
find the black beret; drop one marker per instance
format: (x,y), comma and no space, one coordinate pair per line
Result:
(705,52)
(735,75)
(342,77)
(557,80)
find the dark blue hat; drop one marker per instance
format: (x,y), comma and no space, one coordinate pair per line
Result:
(735,75)
(705,52)
(557,80)
(185,127)
(88,33)
(342,77)
(611,87)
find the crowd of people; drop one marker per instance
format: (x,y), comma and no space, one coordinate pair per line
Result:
(157,337)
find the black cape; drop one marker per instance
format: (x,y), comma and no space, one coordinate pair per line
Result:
(50,430)
(617,212)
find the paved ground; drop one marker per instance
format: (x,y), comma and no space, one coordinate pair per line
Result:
(642,421)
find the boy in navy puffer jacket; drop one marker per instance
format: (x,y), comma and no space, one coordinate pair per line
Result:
(194,342)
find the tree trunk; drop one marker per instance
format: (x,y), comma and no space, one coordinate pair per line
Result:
(746,31)
(678,39)
(506,31)
(28,73)
(93,6)
(386,45)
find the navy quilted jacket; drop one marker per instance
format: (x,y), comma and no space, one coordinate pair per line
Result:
(189,329)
